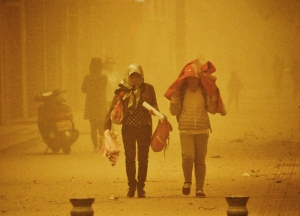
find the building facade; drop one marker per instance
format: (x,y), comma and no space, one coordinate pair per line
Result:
(48,44)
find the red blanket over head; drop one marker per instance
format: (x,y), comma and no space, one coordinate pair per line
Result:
(207,80)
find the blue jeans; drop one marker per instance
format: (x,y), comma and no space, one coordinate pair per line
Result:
(193,151)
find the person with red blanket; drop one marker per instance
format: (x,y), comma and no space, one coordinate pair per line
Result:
(192,96)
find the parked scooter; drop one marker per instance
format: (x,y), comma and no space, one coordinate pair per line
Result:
(55,122)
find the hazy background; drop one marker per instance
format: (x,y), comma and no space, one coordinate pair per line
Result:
(49,44)
(242,36)
(259,40)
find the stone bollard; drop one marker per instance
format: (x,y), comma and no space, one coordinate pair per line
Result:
(237,205)
(82,206)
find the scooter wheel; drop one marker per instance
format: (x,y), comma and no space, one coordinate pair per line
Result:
(67,150)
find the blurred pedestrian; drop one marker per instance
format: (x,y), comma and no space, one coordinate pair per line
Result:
(95,103)
(136,126)
(234,87)
(113,78)
(191,98)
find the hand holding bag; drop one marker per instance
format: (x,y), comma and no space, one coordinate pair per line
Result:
(161,135)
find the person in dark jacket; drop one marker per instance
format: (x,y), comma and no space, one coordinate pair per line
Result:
(95,103)
(136,126)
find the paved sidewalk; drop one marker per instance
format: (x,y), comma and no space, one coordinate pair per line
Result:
(269,175)
(245,157)
(27,131)
(14,134)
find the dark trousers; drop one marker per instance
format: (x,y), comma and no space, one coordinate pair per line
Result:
(136,139)
(96,126)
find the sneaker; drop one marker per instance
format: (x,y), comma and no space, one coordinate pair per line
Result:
(130,193)
(141,193)
(200,193)
(186,189)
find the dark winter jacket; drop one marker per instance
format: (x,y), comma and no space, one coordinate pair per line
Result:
(147,94)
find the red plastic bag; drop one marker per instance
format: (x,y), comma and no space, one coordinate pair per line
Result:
(117,114)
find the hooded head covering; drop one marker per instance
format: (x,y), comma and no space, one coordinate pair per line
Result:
(134,91)
(208,68)
(192,68)
(135,68)
(203,72)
